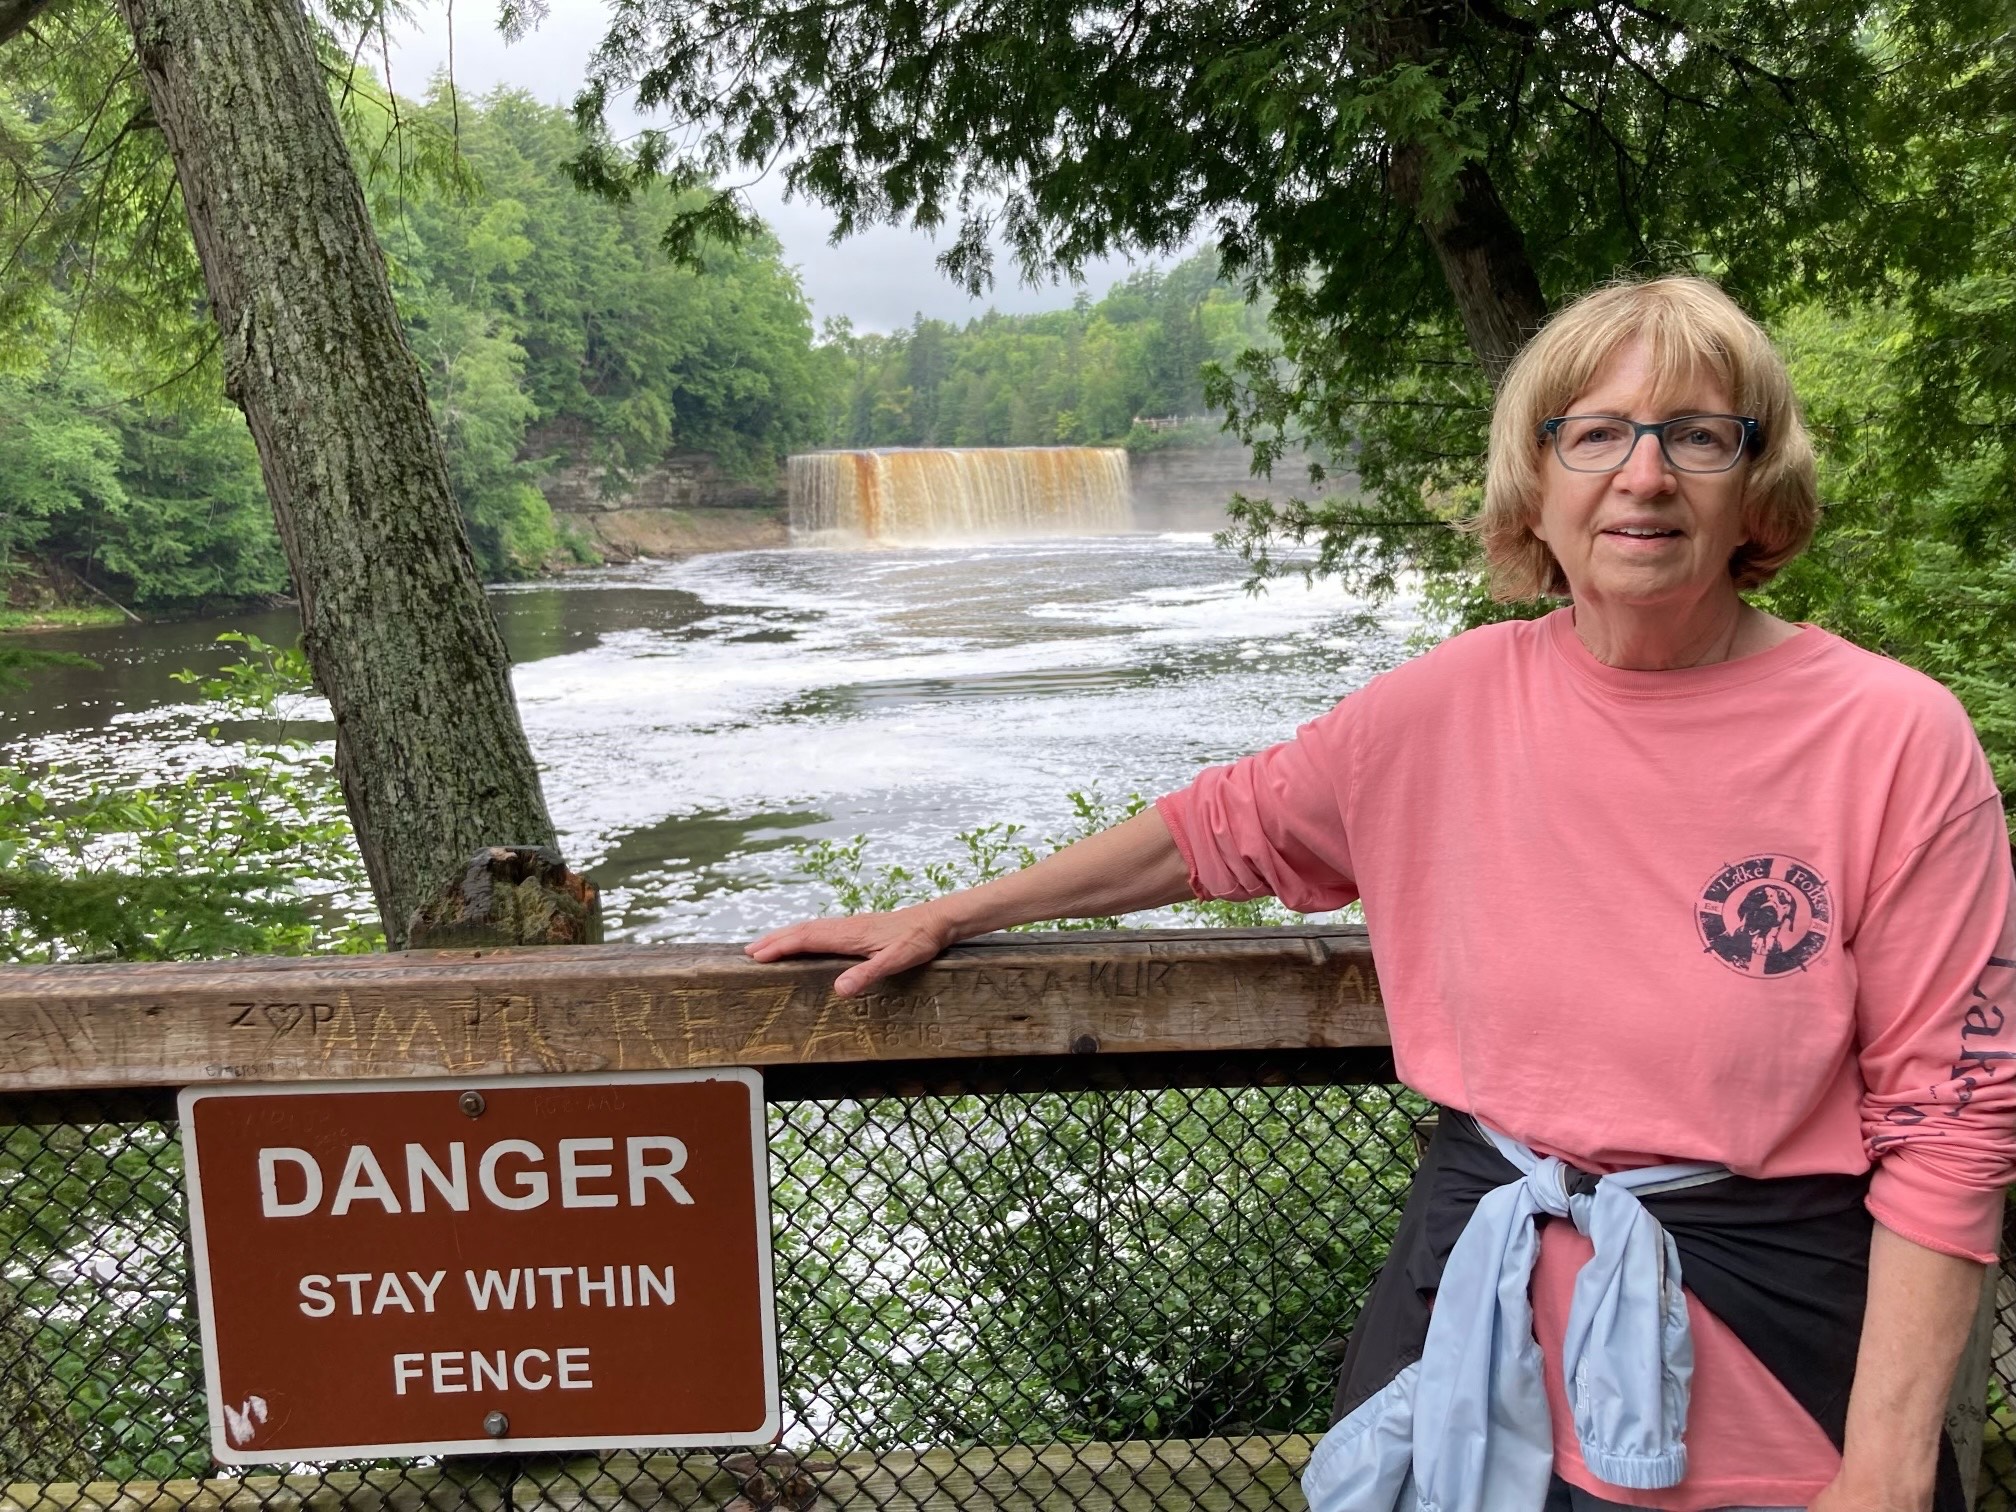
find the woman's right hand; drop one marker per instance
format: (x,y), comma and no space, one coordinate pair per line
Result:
(890,942)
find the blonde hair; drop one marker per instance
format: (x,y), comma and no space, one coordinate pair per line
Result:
(1691,330)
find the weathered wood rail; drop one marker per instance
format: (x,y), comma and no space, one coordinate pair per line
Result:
(1000,999)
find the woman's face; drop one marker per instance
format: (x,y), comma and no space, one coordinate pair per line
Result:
(1647,533)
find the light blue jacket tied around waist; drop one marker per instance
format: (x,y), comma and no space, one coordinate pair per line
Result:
(1465,1428)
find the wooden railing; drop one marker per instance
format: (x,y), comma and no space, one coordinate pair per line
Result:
(1141,994)
(1217,1007)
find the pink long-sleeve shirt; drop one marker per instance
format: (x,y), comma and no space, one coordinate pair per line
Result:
(1757,913)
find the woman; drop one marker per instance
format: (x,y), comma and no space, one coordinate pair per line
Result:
(1774,1060)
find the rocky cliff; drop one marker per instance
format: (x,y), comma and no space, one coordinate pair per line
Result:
(683,503)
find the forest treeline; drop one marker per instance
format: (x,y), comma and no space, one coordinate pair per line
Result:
(1080,376)
(553,330)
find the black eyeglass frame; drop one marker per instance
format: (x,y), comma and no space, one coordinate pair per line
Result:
(1753,440)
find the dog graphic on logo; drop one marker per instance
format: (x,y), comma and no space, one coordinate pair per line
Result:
(1765,916)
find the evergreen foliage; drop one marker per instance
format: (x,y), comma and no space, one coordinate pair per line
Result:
(1324,148)
(164,504)
(1916,557)
(549,324)
(95,248)
(1075,376)
(552,328)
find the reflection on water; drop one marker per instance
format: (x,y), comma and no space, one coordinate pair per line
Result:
(699,846)
(856,697)
(131,675)
(547,621)
(132,678)
(696,720)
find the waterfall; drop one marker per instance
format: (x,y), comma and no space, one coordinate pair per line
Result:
(932,493)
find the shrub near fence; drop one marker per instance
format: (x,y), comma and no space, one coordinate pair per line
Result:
(1067,1223)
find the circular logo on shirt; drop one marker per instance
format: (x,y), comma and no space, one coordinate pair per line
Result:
(1766,915)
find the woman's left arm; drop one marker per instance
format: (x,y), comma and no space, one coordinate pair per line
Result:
(1921,1304)
(1934,951)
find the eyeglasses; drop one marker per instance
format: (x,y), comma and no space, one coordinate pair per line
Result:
(1690,443)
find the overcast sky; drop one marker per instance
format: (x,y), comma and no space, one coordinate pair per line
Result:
(879,279)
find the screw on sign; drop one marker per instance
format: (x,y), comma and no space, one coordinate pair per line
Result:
(434,1267)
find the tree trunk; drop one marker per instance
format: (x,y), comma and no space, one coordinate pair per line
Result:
(1483,258)
(17,15)
(1477,243)
(433,761)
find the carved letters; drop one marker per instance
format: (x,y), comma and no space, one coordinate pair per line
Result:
(636,1008)
(643,1030)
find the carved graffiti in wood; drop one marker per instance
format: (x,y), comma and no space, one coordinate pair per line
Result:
(645,1008)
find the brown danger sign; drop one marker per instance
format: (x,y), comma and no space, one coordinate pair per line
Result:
(448,1267)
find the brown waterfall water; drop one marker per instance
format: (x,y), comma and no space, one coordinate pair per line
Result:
(976,492)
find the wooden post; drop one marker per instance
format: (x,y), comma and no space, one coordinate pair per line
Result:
(1967,1408)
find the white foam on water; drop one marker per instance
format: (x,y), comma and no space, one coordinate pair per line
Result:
(904,694)
(923,693)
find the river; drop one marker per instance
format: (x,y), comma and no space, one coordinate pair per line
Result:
(696,721)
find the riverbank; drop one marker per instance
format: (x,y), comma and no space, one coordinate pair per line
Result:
(628,535)
(42,600)
(57,617)
(38,594)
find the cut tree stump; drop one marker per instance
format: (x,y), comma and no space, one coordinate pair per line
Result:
(510,895)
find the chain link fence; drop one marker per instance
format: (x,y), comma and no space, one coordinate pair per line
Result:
(1996,1489)
(1042,1295)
